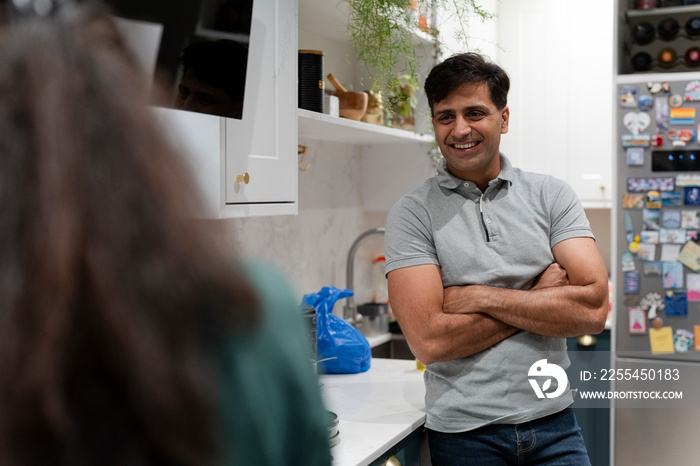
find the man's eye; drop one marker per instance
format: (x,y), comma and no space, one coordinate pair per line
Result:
(445,118)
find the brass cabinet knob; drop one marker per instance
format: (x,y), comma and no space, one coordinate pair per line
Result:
(393,461)
(244,178)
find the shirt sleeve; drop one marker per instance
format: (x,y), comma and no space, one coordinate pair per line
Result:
(568,219)
(408,237)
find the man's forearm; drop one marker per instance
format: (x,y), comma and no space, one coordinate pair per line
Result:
(560,311)
(455,336)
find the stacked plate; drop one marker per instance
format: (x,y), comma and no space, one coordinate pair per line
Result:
(333,432)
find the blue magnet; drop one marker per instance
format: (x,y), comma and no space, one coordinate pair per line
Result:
(645,103)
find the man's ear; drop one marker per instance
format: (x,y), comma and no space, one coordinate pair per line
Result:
(505,115)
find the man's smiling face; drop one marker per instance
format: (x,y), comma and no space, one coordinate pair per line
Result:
(468,129)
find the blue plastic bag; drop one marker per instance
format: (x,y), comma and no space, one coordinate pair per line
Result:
(337,339)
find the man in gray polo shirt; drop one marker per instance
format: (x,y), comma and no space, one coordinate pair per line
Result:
(490,268)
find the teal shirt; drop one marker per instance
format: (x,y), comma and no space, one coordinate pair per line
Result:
(270,401)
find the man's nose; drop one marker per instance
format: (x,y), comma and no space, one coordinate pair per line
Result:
(462,127)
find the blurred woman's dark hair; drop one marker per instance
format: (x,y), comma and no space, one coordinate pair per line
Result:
(107,287)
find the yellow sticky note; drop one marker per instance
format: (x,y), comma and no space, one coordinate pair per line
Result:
(661,340)
(690,255)
(697,338)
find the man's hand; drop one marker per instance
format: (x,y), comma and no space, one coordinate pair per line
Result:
(465,299)
(554,275)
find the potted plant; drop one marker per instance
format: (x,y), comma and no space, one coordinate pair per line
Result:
(383,33)
(401,102)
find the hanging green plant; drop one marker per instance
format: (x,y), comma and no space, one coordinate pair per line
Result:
(383,33)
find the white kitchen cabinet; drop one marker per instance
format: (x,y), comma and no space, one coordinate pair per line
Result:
(558,54)
(248,166)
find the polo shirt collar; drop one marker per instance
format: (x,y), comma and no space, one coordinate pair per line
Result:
(449,181)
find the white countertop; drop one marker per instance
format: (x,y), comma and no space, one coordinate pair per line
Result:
(376,409)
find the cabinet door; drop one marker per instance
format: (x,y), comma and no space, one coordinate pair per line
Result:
(558,54)
(263,143)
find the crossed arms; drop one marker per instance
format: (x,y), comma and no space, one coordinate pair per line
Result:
(569,299)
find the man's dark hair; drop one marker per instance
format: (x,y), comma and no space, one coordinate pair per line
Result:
(466,68)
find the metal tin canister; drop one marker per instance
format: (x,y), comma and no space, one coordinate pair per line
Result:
(311,83)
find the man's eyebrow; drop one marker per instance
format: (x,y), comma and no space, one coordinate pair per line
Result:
(472,108)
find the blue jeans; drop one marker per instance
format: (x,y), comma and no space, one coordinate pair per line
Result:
(551,440)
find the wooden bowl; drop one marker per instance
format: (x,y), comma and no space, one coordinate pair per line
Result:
(353,105)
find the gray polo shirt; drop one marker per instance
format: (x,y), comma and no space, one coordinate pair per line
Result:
(502,237)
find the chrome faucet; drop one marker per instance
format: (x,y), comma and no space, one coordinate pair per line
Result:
(350,310)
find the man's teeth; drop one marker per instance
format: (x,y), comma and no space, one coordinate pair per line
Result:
(465,146)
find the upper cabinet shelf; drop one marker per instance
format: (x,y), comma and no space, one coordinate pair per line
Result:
(319,126)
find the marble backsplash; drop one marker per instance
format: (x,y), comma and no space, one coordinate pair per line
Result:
(311,248)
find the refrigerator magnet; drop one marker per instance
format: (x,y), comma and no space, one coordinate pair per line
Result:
(651,303)
(671,199)
(691,196)
(675,100)
(629,227)
(692,91)
(653,200)
(682,116)
(650,217)
(671,219)
(641,185)
(683,340)
(691,235)
(627,262)
(690,219)
(650,237)
(635,156)
(637,321)
(636,140)
(628,96)
(645,103)
(631,282)
(647,251)
(676,303)
(697,338)
(672,235)
(652,269)
(655,88)
(657,140)
(680,137)
(633,201)
(692,281)
(690,256)
(670,252)
(636,122)
(661,340)
(635,245)
(662,112)
(688,179)
(672,275)
(657,323)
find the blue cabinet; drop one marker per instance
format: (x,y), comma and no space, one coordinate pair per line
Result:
(594,422)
